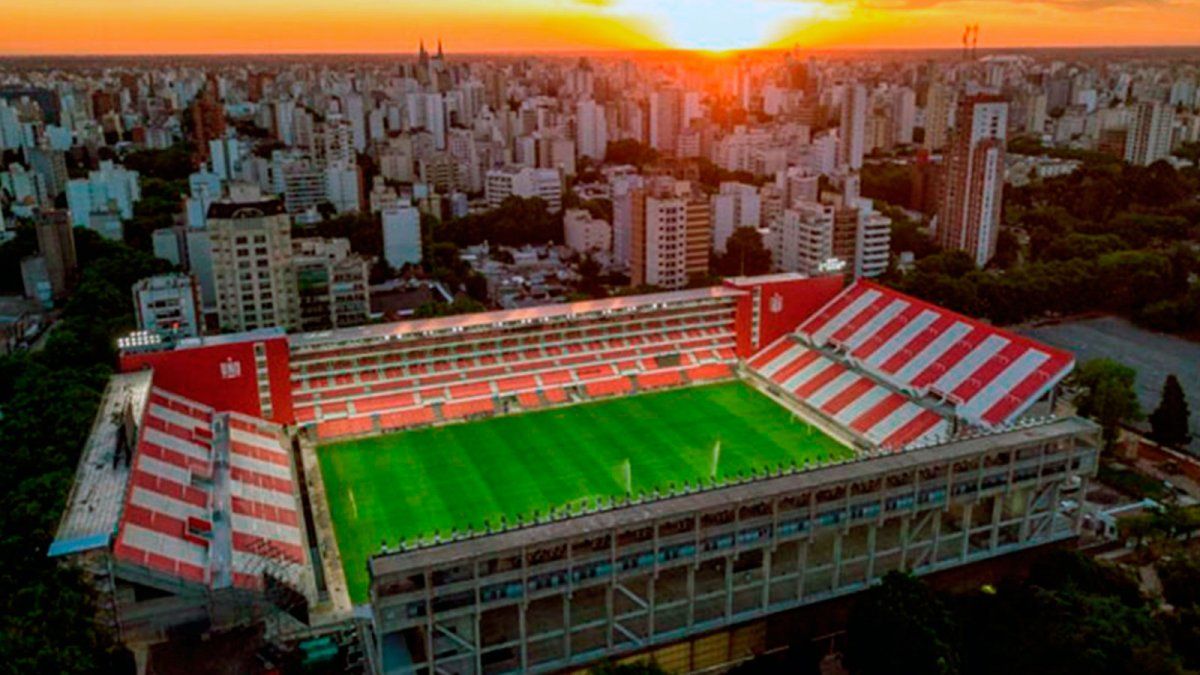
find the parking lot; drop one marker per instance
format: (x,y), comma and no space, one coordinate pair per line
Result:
(1153,355)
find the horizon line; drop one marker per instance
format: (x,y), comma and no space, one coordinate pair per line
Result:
(597,50)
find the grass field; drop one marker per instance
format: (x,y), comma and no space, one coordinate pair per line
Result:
(406,485)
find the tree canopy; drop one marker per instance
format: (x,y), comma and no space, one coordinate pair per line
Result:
(745,255)
(49,398)
(1169,421)
(1106,394)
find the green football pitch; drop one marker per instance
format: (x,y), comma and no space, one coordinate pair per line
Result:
(408,485)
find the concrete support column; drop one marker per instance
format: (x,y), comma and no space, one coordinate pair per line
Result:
(837,560)
(766,578)
(965,548)
(870,552)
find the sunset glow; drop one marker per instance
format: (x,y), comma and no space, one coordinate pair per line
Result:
(262,26)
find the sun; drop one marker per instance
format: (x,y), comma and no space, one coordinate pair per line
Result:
(719,25)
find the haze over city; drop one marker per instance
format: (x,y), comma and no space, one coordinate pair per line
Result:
(478,26)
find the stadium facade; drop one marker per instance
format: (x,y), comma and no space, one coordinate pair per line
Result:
(198,504)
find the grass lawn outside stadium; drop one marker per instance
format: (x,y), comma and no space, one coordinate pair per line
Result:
(407,485)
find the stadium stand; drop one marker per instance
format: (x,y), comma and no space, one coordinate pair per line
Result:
(895,371)
(353,381)
(988,375)
(209,508)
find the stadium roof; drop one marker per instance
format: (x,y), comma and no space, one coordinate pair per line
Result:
(988,374)
(523,315)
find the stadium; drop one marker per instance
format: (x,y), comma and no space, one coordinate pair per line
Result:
(543,488)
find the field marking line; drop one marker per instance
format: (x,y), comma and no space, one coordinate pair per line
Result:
(353,504)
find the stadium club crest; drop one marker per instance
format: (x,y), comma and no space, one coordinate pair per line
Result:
(230,369)
(776,304)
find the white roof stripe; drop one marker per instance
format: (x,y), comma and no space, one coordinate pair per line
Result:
(255,493)
(931,352)
(1003,383)
(872,326)
(978,356)
(174,417)
(862,404)
(256,440)
(248,563)
(160,503)
(265,528)
(258,466)
(860,304)
(902,337)
(776,364)
(151,541)
(832,388)
(177,444)
(888,425)
(807,373)
(157,467)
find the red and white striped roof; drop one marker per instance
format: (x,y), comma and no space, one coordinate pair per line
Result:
(167,524)
(989,375)
(851,399)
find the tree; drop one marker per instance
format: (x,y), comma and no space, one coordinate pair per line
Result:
(629,151)
(744,254)
(49,398)
(901,622)
(1169,421)
(1106,395)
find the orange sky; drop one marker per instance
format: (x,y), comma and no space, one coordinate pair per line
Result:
(265,26)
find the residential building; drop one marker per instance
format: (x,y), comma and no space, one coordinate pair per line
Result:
(852,130)
(584,234)
(524,182)
(1149,138)
(251,238)
(969,215)
(168,305)
(332,283)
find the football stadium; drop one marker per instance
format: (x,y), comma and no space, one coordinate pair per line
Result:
(539,489)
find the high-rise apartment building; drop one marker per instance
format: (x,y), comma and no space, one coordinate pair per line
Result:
(251,259)
(1149,137)
(591,130)
(939,102)
(852,130)
(671,234)
(666,117)
(969,213)
(803,240)
(56,243)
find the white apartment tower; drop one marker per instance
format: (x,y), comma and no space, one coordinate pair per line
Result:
(251,259)
(804,238)
(969,214)
(1149,138)
(853,128)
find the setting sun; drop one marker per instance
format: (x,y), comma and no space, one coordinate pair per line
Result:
(723,25)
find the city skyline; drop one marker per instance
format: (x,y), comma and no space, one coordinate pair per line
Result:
(90,27)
